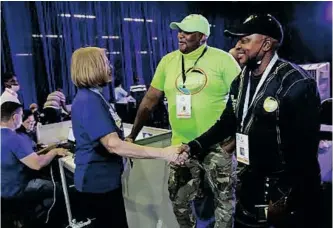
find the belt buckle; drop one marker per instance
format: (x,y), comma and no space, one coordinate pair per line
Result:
(261,212)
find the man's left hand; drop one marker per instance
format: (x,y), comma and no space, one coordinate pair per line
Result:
(229,146)
(277,214)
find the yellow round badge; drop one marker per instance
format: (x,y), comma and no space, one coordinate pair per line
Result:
(270,104)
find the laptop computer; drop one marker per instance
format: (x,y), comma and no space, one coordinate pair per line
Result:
(70,137)
(70,144)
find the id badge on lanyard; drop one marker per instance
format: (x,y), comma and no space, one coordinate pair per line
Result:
(116,118)
(183,104)
(242,148)
(242,140)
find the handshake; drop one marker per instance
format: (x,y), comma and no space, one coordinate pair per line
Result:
(177,155)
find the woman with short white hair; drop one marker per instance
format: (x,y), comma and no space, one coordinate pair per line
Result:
(99,138)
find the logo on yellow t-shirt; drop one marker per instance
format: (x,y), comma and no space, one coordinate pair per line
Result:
(196,80)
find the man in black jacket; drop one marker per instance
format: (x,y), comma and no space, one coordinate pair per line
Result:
(273,109)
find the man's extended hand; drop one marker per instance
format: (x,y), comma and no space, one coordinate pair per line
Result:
(184,148)
(176,155)
(182,157)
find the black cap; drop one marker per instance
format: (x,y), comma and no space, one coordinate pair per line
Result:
(261,24)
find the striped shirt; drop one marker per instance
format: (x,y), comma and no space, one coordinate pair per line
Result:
(54,100)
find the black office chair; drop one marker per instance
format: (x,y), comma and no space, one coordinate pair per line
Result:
(132,110)
(122,111)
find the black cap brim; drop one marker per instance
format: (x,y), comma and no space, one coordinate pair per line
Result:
(229,33)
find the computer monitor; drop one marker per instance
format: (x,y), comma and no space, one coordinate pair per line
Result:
(71,137)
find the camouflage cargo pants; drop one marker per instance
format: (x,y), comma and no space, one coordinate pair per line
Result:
(219,170)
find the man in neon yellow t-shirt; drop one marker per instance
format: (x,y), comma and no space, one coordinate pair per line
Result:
(195,80)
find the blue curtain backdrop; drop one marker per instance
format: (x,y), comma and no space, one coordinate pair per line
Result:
(38,39)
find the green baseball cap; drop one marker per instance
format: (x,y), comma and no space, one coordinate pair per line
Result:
(193,23)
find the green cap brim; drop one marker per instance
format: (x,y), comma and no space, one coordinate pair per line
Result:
(183,27)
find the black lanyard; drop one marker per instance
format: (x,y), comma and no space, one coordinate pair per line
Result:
(183,65)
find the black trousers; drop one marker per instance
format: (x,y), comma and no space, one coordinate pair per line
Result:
(108,209)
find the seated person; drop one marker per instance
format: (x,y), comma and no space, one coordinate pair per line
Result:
(18,157)
(28,128)
(121,96)
(34,109)
(122,100)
